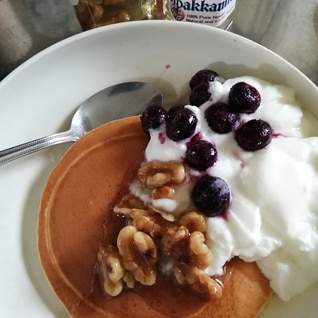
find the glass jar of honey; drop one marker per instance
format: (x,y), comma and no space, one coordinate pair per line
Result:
(95,13)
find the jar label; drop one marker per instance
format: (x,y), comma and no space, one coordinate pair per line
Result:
(201,11)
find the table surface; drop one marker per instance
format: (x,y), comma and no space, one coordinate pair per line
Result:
(287,27)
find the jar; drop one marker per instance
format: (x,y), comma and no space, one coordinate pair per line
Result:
(95,13)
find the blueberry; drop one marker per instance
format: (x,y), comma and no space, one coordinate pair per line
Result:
(174,108)
(221,118)
(201,155)
(244,98)
(202,76)
(254,135)
(181,124)
(153,117)
(199,94)
(211,195)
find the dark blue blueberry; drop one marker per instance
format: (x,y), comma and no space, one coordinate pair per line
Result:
(181,124)
(244,98)
(202,76)
(221,118)
(254,135)
(153,117)
(211,195)
(201,155)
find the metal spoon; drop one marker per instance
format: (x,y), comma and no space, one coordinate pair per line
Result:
(117,101)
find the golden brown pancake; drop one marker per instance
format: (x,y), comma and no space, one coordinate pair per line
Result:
(77,200)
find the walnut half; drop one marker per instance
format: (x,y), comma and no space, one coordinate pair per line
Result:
(139,254)
(111,269)
(155,174)
(198,280)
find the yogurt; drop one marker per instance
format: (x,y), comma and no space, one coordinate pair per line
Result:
(273,216)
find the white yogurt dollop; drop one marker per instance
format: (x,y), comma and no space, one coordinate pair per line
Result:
(273,216)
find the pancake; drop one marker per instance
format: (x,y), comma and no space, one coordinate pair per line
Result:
(76,203)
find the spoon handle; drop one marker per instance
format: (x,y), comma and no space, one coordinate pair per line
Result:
(29,147)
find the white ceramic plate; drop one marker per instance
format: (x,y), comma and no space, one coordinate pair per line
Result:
(39,98)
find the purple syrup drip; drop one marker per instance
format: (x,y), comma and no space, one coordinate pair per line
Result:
(194,138)
(162,138)
(277,135)
(224,215)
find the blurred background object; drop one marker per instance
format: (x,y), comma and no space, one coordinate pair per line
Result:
(287,27)
(29,26)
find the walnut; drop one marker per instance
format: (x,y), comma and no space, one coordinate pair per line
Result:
(111,269)
(179,271)
(139,254)
(146,246)
(174,242)
(162,192)
(129,279)
(127,203)
(198,280)
(148,222)
(201,255)
(168,216)
(203,283)
(188,248)
(155,174)
(193,221)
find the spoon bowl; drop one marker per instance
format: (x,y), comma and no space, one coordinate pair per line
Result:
(114,102)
